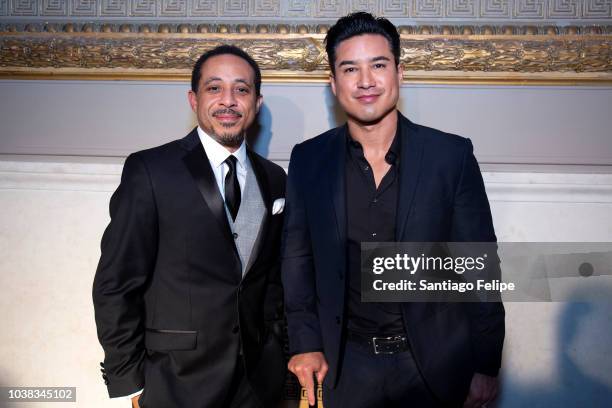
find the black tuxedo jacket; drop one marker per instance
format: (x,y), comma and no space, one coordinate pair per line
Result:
(172,308)
(441,199)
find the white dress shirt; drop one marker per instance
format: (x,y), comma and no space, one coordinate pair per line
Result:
(217,154)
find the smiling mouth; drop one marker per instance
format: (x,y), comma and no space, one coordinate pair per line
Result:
(227,115)
(227,118)
(367,98)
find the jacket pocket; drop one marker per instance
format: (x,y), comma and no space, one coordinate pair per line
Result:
(162,340)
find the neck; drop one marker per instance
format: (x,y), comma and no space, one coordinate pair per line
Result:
(231,149)
(375,136)
(231,142)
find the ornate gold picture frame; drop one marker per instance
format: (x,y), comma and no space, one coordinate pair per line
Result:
(514,55)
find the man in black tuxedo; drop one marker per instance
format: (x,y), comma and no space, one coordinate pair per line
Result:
(382,178)
(187,293)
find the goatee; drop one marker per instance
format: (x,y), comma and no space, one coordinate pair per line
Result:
(230,139)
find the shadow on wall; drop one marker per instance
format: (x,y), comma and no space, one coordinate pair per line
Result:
(259,134)
(336,115)
(583,366)
(4,382)
(275,142)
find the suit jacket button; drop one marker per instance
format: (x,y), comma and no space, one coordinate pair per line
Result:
(235,329)
(235,234)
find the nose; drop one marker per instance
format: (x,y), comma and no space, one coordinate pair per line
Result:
(366,78)
(228,98)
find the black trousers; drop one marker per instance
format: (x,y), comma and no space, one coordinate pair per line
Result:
(241,394)
(370,380)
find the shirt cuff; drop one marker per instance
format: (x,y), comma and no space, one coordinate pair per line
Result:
(131,395)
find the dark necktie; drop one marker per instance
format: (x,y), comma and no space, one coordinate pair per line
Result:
(232,187)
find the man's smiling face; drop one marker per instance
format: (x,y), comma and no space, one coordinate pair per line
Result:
(226,101)
(366,80)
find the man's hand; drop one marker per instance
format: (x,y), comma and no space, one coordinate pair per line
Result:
(483,390)
(304,366)
(135,401)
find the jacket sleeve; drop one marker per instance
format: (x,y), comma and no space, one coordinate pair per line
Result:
(297,268)
(128,253)
(472,222)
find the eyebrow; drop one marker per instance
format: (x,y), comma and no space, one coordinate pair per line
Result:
(351,62)
(211,79)
(240,80)
(244,81)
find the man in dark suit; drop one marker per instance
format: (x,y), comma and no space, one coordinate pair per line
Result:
(382,178)
(187,291)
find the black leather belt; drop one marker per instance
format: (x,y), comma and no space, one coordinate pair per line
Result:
(380,345)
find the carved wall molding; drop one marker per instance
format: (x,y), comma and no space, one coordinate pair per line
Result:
(472,10)
(430,53)
(57,175)
(220,27)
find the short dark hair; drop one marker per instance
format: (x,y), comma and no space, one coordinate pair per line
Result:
(196,74)
(358,24)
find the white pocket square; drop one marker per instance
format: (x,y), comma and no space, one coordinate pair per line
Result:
(278,206)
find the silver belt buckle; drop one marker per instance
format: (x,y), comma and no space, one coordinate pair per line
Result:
(375,344)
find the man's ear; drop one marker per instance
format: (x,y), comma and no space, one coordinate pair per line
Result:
(193,101)
(400,73)
(258,103)
(332,82)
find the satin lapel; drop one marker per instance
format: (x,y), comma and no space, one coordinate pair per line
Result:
(410,170)
(264,188)
(198,165)
(336,160)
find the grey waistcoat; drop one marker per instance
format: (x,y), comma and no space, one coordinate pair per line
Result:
(249,219)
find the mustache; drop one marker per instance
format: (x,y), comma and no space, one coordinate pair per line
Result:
(227,111)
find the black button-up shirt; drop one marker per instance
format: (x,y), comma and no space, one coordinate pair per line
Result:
(371,216)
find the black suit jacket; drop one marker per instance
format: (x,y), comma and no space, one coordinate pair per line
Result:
(441,199)
(172,309)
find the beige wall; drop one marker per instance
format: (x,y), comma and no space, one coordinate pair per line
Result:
(54,209)
(511,124)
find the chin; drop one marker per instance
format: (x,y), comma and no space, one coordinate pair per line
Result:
(222,129)
(229,125)
(368,118)
(232,140)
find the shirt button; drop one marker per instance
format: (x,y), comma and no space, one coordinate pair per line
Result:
(235,234)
